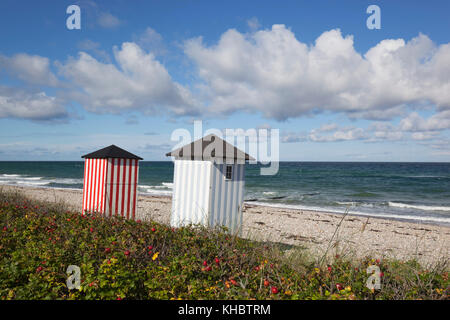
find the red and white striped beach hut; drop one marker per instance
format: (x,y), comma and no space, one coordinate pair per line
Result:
(110,182)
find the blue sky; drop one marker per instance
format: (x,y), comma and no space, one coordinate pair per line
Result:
(136,71)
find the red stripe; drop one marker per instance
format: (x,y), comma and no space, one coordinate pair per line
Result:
(90,184)
(99,182)
(100,186)
(84,187)
(124,184)
(129,189)
(135,181)
(111,187)
(94,183)
(95,198)
(105,169)
(117,185)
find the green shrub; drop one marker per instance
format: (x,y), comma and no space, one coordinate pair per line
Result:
(123,259)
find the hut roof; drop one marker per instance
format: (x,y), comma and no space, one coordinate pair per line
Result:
(111,152)
(214,146)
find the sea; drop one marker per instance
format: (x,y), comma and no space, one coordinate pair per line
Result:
(415,192)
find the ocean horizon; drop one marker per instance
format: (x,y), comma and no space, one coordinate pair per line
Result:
(410,191)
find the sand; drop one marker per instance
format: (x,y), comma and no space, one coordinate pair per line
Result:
(317,232)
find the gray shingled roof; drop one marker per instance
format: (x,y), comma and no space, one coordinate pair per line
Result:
(209,147)
(111,152)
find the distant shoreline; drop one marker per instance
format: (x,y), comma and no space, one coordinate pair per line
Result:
(357,235)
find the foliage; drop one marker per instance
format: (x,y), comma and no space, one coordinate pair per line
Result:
(124,259)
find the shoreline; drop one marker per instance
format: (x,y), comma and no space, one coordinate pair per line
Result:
(261,203)
(354,235)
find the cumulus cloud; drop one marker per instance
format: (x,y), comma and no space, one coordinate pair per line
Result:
(292,137)
(95,48)
(107,20)
(151,40)
(253,23)
(338,134)
(272,72)
(32,69)
(18,103)
(137,82)
(415,123)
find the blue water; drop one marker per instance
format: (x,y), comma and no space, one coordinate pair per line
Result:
(406,191)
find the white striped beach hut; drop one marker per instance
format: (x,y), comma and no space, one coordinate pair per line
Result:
(208,184)
(110,182)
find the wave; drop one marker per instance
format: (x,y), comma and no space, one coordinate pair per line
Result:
(164,189)
(418,207)
(24,180)
(415,218)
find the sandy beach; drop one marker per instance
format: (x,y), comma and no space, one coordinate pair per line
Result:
(356,236)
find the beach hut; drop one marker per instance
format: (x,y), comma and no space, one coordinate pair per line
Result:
(110,182)
(208,184)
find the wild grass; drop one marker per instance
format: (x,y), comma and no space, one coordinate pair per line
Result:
(123,259)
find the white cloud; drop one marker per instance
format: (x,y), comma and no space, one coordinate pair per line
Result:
(32,69)
(253,24)
(340,134)
(17,103)
(415,123)
(138,82)
(95,48)
(293,137)
(107,20)
(272,72)
(152,41)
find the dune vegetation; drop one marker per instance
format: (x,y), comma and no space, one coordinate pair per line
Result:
(124,259)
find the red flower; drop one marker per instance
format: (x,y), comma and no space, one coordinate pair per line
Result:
(205,263)
(381,274)
(150,247)
(39,269)
(339,286)
(108,250)
(91,229)
(127,253)
(257,268)
(274,290)
(153,229)
(329,269)
(234,282)
(139,221)
(119,298)
(217,261)
(208,268)
(266,283)
(5,228)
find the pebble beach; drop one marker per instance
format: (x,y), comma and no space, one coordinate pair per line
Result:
(318,232)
